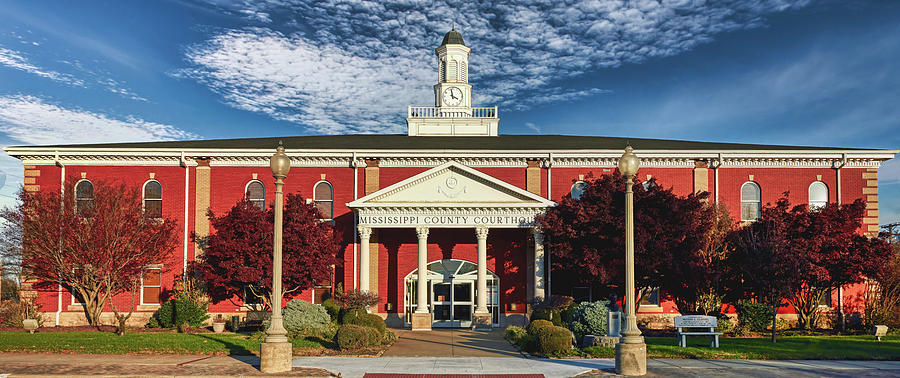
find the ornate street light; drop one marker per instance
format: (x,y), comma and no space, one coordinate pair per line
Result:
(275,355)
(631,352)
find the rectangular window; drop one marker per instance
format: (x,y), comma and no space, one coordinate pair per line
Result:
(251,300)
(651,299)
(151,285)
(825,301)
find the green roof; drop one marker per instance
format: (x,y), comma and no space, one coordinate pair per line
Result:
(404,142)
(453,38)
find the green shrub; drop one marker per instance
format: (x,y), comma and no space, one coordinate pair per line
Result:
(368,320)
(536,325)
(184,309)
(514,333)
(351,336)
(753,317)
(527,343)
(568,312)
(348,316)
(544,314)
(589,318)
(724,325)
(333,308)
(12,312)
(554,340)
(302,318)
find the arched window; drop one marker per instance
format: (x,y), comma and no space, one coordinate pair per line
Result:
(153,199)
(751,201)
(323,197)
(84,196)
(818,195)
(256,193)
(578,190)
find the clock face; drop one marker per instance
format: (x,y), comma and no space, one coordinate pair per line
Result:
(452,96)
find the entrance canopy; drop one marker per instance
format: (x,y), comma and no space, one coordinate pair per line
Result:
(450,195)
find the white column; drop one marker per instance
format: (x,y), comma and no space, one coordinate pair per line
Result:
(422,282)
(364,234)
(539,282)
(481,232)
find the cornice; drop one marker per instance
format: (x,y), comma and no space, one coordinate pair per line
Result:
(432,158)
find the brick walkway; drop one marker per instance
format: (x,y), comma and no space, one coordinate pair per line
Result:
(84,365)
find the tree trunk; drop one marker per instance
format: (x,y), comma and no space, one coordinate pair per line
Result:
(120,330)
(774,318)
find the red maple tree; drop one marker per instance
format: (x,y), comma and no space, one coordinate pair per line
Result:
(237,257)
(96,251)
(586,238)
(834,253)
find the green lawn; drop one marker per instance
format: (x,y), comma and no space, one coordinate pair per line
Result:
(136,342)
(787,348)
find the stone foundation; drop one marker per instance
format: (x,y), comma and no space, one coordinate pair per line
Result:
(421,322)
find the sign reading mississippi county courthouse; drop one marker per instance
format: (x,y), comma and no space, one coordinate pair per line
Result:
(447,220)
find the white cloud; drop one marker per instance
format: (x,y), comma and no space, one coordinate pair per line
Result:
(354,66)
(30,120)
(15,60)
(889,172)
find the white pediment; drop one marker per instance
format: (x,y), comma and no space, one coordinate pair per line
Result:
(452,185)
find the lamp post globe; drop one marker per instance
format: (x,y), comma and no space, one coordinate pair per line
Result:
(629,163)
(280,163)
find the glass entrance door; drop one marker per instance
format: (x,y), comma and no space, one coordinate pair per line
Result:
(451,293)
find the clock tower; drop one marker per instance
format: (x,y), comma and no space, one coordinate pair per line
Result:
(452,113)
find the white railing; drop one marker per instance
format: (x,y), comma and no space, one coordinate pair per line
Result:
(436,112)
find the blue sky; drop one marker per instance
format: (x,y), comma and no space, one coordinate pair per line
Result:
(763,71)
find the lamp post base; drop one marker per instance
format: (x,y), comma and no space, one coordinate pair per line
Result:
(276,357)
(631,359)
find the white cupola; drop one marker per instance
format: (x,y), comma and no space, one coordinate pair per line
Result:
(452,113)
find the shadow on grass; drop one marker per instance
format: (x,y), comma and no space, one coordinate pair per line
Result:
(232,347)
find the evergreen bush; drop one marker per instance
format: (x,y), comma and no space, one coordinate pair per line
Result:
(514,333)
(554,340)
(368,320)
(752,316)
(333,308)
(536,325)
(183,310)
(589,318)
(351,336)
(304,318)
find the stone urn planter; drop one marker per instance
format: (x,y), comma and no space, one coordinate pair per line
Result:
(218,324)
(30,325)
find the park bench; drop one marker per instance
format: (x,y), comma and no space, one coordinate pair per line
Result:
(699,325)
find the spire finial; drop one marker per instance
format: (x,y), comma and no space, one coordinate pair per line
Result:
(452,24)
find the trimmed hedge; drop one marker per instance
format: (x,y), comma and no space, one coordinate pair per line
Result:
(536,325)
(368,320)
(589,318)
(554,340)
(514,333)
(184,309)
(351,336)
(333,308)
(756,317)
(304,318)
(553,316)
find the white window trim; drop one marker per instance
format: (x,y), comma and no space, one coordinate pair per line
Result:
(331,200)
(758,203)
(247,187)
(656,289)
(75,194)
(817,204)
(572,189)
(144,197)
(149,267)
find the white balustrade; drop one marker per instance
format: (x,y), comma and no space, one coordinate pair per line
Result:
(437,112)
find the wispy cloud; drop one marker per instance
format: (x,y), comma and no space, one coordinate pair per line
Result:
(31,120)
(353,66)
(15,60)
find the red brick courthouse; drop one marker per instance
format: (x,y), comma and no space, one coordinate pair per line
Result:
(453,198)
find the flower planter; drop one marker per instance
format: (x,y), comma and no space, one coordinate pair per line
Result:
(30,325)
(218,327)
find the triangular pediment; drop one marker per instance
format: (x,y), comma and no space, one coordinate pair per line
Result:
(455,185)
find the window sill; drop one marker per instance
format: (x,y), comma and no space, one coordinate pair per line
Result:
(75,307)
(147,307)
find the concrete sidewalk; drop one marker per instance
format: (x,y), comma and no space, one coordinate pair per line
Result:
(599,367)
